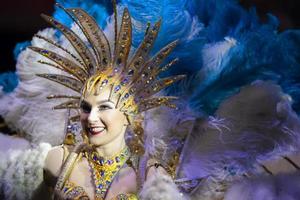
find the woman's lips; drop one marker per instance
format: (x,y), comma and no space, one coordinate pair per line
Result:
(96,130)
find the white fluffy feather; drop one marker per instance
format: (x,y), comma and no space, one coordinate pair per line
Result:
(27,109)
(160,187)
(22,171)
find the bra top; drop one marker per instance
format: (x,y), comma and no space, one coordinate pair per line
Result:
(72,191)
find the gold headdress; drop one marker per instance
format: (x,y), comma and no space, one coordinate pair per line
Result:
(132,81)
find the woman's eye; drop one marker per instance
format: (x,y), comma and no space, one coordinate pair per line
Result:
(104,107)
(85,108)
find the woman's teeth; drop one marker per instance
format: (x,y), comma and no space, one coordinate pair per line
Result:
(96,130)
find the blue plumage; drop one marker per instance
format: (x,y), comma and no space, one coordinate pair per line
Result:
(8,81)
(222,46)
(99,9)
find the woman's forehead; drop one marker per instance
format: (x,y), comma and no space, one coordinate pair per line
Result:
(101,97)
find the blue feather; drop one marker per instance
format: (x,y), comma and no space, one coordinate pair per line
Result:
(99,9)
(20,47)
(8,81)
(214,71)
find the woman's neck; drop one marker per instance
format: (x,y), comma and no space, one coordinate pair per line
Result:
(110,149)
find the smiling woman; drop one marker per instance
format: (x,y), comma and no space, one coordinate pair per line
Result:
(232,114)
(104,124)
(114,90)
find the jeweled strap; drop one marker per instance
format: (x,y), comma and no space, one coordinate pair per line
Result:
(67,168)
(125,197)
(71,191)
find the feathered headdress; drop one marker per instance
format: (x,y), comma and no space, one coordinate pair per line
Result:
(133,82)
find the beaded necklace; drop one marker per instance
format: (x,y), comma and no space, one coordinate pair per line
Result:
(105,169)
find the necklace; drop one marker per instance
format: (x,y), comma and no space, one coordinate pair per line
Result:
(105,169)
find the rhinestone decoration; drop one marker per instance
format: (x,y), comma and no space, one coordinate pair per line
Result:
(105,169)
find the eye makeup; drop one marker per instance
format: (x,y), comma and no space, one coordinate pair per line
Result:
(105,106)
(85,107)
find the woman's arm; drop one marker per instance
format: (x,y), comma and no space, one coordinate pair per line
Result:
(53,165)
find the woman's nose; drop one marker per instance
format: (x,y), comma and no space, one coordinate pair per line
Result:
(93,116)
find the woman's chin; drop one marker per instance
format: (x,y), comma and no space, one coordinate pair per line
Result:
(97,138)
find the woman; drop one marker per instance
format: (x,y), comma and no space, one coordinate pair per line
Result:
(114,90)
(218,151)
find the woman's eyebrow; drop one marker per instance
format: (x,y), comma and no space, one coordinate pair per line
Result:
(85,103)
(105,101)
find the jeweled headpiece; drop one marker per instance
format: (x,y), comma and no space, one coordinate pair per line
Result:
(133,82)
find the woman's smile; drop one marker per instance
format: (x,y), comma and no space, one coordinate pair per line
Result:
(95,130)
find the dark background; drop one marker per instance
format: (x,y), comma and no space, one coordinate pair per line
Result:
(19,20)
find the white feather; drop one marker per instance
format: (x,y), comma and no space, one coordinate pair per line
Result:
(26,109)
(22,171)
(160,187)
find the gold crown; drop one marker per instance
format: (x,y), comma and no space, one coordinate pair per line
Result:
(133,82)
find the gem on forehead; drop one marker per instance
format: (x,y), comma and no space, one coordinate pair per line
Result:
(131,72)
(95,158)
(110,162)
(101,161)
(102,173)
(124,81)
(45,51)
(117,88)
(104,82)
(126,95)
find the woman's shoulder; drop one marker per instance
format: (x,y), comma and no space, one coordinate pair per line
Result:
(55,159)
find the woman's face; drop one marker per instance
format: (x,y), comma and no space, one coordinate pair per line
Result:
(100,119)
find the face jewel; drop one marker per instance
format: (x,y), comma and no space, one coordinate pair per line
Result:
(110,162)
(126,96)
(124,82)
(145,74)
(104,82)
(101,161)
(44,51)
(117,88)
(102,173)
(95,158)
(131,72)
